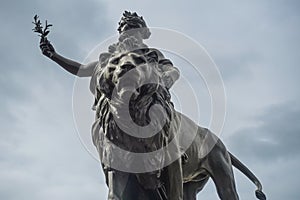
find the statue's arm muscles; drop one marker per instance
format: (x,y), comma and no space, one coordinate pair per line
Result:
(74,67)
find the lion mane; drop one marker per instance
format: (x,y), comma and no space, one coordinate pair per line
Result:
(143,98)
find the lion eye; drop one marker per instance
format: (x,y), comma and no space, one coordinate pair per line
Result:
(115,61)
(111,69)
(139,60)
(152,56)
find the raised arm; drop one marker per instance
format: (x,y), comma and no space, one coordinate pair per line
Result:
(71,66)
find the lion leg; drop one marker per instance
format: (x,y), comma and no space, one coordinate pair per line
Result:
(124,186)
(219,167)
(190,189)
(116,182)
(173,180)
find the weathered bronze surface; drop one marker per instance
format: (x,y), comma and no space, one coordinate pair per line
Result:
(183,178)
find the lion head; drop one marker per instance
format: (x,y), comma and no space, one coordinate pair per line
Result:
(133,86)
(134,72)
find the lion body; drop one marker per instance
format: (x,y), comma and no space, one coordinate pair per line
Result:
(207,156)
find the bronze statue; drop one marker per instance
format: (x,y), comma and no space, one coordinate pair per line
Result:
(127,81)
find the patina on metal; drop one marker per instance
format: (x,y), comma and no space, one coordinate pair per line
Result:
(185,177)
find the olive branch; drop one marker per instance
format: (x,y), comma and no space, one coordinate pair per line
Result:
(43,32)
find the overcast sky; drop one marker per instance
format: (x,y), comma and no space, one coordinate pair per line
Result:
(254,44)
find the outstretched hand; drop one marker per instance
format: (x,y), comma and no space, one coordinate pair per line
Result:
(46,47)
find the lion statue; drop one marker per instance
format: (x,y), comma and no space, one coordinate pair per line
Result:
(148,150)
(118,91)
(127,86)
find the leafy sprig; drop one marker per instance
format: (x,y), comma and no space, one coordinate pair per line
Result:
(43,32)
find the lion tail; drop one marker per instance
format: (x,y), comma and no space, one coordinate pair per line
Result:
(240,166)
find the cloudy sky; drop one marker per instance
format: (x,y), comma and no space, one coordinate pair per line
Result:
(254,44)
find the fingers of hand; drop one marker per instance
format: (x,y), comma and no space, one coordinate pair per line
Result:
(46,47)
(45,50)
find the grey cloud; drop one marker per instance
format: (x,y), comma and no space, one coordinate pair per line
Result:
(276,135)
(42,157)
(75,23)
(269,146)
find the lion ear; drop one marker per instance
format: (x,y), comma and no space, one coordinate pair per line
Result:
(152,56)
